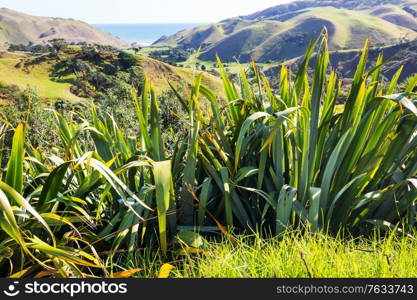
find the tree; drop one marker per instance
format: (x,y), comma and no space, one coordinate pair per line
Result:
(136,77)
(136,47)
(127,59)
(40,49)
(17,47)
(58,45)
(81,68)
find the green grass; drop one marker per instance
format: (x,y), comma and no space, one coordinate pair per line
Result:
(353,27)
(316,255)
(193,64)
(296,255)
(303,256)
(161,73)
(36,77)
(232,67)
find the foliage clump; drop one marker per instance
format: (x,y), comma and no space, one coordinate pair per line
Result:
(101,73)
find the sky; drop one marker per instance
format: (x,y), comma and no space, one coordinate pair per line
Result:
(141,11)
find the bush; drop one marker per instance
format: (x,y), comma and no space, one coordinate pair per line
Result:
(99,73)
(127,60)
(171,56)
(9,92)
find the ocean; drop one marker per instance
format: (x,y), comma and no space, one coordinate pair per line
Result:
(144,34)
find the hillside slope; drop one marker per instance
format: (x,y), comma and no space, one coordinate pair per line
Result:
(36,77)
(404,55)
(345,62)
(161,73)
(20,28)
(283,32)
(23,70)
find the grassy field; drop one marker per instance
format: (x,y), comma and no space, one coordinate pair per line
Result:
(351,28)
(295,255)
(160,73)
(36,77)
(193,64)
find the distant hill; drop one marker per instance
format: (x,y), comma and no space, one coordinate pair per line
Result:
(284,31)
(20,28)
(344,63)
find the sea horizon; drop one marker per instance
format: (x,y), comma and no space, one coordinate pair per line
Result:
(144,33)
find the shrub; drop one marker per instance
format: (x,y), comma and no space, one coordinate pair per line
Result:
(127,59)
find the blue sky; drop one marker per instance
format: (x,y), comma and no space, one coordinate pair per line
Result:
(141,11)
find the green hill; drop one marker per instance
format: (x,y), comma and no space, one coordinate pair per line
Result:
(25,70)
(161,73)
(36,77)
(344,62)
(283,32)
(20,28)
